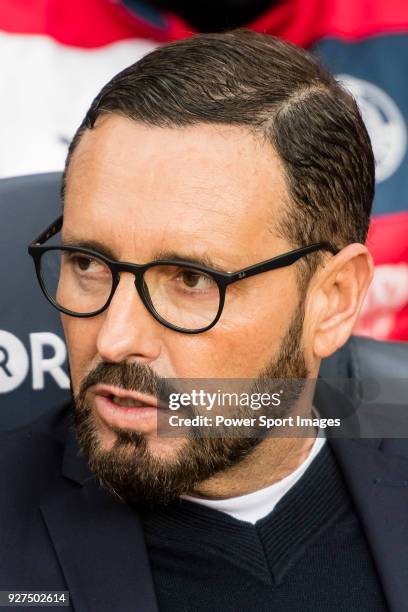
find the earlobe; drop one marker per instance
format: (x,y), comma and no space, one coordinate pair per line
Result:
(340,292)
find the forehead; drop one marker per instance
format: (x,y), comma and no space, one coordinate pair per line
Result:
(138,188)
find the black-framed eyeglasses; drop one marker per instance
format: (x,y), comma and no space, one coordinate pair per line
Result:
(181,295)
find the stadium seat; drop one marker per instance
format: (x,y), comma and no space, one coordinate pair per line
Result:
(33,368)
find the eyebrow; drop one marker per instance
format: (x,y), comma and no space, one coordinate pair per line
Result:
(199,260)
(102,249)
(93,245)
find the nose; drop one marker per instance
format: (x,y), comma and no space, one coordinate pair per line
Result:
(128,332)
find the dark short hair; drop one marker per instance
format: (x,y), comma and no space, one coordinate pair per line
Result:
(276,90)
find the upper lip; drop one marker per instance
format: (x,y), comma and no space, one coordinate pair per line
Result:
(147,400)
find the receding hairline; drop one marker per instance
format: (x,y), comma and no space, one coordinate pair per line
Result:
(257,133)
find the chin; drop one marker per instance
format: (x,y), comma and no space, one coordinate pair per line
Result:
(161,447)
(165,446)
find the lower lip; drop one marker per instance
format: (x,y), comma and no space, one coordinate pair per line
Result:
(125,417)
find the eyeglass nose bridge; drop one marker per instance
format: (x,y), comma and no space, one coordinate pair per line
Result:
(137,270)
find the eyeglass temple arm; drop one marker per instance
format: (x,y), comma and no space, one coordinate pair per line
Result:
(281,262)
(51,230)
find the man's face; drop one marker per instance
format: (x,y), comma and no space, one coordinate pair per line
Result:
(204,191)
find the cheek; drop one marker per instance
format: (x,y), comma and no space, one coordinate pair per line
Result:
(232,349)
(81,338)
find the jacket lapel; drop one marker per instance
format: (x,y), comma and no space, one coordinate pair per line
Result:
(98,541)
(378,483)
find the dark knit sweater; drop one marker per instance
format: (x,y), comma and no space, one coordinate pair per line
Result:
(309,554)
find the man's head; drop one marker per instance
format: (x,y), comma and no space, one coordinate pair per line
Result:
(226,149)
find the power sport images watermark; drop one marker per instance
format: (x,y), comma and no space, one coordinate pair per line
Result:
(201,399)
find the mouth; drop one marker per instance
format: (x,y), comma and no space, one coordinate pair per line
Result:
(125,409)
(126,398)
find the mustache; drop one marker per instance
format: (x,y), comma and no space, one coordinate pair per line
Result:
(129,376)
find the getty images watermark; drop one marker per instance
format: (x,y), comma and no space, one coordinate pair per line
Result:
(285,407)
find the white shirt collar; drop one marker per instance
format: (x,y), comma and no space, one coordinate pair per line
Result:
(254,506)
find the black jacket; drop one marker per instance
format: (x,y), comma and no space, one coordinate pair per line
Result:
(60,531)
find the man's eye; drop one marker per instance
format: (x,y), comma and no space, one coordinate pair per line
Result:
(196,280)
(83,263)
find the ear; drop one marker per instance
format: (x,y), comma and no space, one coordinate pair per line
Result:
(335,297)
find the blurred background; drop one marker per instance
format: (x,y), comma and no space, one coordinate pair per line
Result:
(56,54)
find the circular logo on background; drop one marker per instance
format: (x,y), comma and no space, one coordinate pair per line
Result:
(13,362)
(384,121)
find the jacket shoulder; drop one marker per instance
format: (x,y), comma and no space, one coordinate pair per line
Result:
(31,456)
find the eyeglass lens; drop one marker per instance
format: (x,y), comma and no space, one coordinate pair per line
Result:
(184,297)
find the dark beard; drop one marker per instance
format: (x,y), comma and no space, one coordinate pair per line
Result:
(130,470)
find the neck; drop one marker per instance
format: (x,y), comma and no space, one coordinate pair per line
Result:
(270,461)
